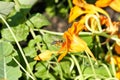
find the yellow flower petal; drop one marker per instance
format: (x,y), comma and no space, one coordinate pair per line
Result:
(77,45)
(75,12)
(115,5)
(79,3)
(116,59)
(118,74)
(103,3)
(86,9)
(61,56)
(93,9)
(44,56)
(116,62)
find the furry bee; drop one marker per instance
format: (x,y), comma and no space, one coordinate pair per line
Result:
(57,42)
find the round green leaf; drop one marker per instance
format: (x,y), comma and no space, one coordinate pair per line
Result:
(5,7)
(21,32)
(38,20)
(8,68)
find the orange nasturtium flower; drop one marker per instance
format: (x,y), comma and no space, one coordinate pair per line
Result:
(72,44)
(81,7)
(72,41)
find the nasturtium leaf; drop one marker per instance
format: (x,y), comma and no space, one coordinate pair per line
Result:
(38,20)
(21,32)
(58,72)
(88,39)
(38,38)
(50,10)
(8,68)
(27,2)
(42,71)
(31,60)
(30,51)
(5,7)
(49,40)
(32,42)
(63,10)
(5,48)
(100,71)
(16,18)
(11,69)
(41,68)
(65,68)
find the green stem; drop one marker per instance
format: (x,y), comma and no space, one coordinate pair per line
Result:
(99,43)
(98,23)
(22,53)
(60,71)
(107,70)
(78,67)
(70,3)
(81,33)
(111,59)
(50,32)
(59,68)
(33,33)
(34,36)
(91,65)
(59,33)
(72,64)
(23,68)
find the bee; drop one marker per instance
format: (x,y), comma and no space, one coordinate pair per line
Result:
(57,42)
